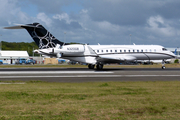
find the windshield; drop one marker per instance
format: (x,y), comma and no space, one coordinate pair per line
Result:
(164,49)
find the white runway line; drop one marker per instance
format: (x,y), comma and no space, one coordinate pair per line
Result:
(49,72)
(79,76)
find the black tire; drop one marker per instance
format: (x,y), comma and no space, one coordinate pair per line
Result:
(99,66)
(163,67)
(90,66)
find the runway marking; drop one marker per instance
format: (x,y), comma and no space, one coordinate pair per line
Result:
(50,72)
(79,76)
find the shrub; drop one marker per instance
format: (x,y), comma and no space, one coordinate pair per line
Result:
(176,61)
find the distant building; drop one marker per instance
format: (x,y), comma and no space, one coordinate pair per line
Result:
(9,57)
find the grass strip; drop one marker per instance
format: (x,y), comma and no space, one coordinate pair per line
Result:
(94,100)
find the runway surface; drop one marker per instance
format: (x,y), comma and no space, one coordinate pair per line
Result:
(86,75)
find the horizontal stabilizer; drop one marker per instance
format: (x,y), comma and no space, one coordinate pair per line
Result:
(21,27)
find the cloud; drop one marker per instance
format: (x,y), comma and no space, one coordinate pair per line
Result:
(158,26)
(103,21)
(44,18)
(10,13)
(63,16)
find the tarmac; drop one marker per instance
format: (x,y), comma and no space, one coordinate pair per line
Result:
(87,75)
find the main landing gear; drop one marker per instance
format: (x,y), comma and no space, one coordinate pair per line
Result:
(90,66)
(98,66)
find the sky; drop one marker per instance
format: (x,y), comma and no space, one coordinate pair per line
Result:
(115,22)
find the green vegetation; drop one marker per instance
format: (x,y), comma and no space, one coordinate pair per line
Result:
(96,100)
(176,61)
(20,46)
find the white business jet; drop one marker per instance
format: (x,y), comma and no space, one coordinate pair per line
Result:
(93,55)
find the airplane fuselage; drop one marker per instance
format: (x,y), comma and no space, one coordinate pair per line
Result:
(139,52)
(94,54)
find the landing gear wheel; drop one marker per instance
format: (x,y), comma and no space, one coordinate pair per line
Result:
(99,66)
(90,66)
(163,63)
(163,67)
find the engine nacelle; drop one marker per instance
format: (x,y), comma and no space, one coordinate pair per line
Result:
(69,50)
(36,51)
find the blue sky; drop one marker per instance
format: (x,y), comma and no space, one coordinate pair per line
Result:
(93,22)
(28,8)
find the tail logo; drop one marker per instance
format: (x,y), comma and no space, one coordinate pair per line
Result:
(43,36)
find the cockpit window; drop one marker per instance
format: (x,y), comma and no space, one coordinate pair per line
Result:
(164,49)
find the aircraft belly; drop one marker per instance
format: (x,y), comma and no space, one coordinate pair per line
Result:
(157,56)
(140,56)
(116,58)
(89,59)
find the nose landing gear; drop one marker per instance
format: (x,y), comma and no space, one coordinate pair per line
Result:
(163,67)
(163,63)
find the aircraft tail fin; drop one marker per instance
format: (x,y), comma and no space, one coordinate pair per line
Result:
(40,35)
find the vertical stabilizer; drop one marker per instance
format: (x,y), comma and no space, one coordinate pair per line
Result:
(40,35)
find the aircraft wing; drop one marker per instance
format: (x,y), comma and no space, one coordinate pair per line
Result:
(121,58)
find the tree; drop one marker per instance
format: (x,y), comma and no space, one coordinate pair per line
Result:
(20,46)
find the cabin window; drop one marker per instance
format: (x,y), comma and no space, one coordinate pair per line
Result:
(137,50)
(133,50)
(124,50)
(120,50)
(115,50)
(101,50)
(106,50)
(129,50)
(97,50)
(110,50)
(141,50)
